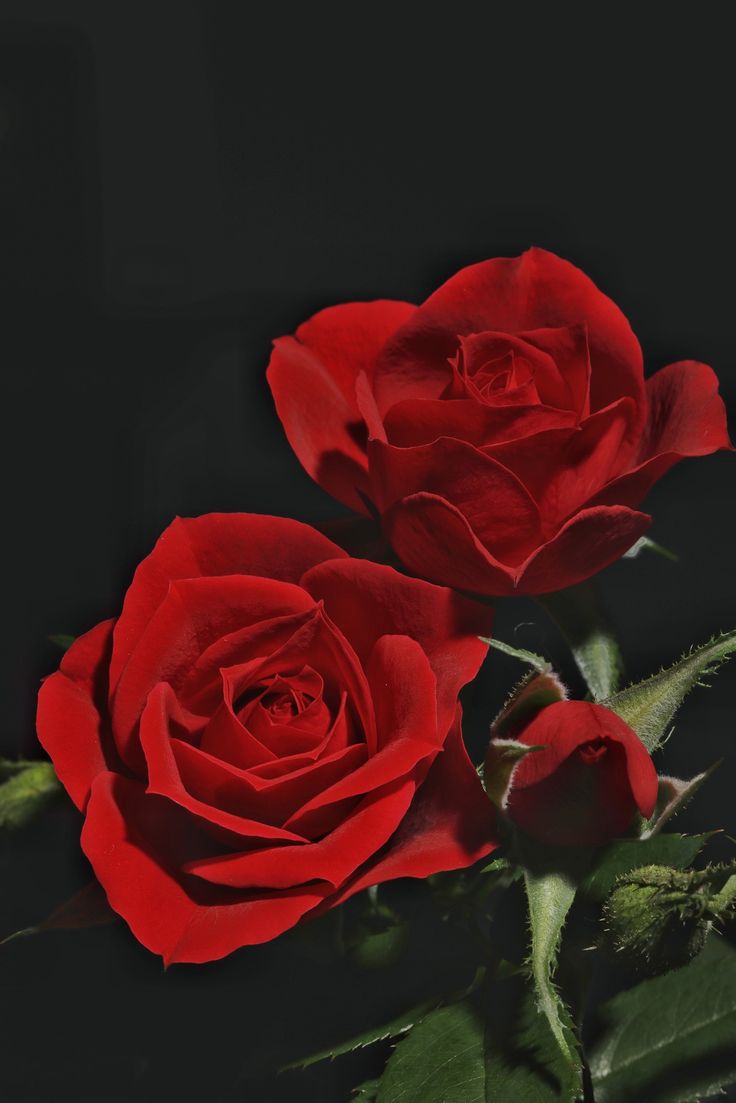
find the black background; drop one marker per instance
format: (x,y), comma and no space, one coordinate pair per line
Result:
(182,182)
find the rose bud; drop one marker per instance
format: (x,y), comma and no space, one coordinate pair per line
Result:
(503,430)
(660,917)
(585,779)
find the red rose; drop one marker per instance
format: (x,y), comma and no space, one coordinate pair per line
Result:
(267,728)
(503,430)
(587,782)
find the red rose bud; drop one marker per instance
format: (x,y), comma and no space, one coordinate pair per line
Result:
(503,430)
(585,781)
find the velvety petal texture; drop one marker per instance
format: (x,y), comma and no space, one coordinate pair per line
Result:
(503,431)
(267,727)
(589,776)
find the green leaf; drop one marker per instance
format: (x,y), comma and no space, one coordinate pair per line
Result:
(581,618)
(649,707)
(523,1060)
(645,544)
(391,1029)
(494,1048)
(622,856)
(62,640)
(536,661)
(366,1092)
(25,790)
(550,895)
(441,1061)
(671,1039)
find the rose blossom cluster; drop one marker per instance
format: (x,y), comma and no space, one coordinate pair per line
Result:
(271,725)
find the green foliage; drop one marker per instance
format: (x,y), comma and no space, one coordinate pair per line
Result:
(620,857)
(671,1039)
(672,796)
(649,707)
(550,896)
(391,1029)
(62,640)
(25,789)
(496,1046)
(441,1061)
(365,1092)
(581,618)
(536,661)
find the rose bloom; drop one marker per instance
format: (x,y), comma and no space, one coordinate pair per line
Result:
(267,728)
(503,430)
(586,784)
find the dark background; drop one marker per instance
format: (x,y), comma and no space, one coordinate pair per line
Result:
(182,182)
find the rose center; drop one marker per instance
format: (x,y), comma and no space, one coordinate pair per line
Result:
(591,752)
(282,706)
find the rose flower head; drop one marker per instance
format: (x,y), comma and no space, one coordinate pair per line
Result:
(579,776)
(503,431)
(267,728)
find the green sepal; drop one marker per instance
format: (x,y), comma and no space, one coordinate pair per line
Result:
(650,706)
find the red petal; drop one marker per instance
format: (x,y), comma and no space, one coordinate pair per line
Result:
(133,842)
(164,778)
(215,544)
(587,543)
(195,613)
(368,601)
(312,378)
(537,290)
(433,539)
(567,347)
(450,825)
(422,421)
(71,721)
(563,468)
(496,505)
(332,859)
(686,418)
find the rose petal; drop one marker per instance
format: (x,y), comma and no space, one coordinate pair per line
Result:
(215,544)
(132,840)
(271,800)
(537,290)
(450,824)
(201,688)
(563,468)
(332,859)
(368,601)
(587,543)
(195,613)
(69,723)
(312,378)
(686,418)
(164,779)
(433,539)
(422,421)
(403,688)
(567,347)
(496,505)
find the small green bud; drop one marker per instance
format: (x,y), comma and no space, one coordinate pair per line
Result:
(660,917)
